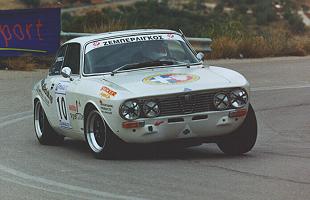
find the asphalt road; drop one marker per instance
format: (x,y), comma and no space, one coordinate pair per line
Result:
(277,168)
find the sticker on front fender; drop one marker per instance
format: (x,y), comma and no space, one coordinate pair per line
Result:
(62,112)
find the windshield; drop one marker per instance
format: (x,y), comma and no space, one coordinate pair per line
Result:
(137,52)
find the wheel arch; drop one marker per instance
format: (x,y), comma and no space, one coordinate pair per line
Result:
(89,106)
(35,100)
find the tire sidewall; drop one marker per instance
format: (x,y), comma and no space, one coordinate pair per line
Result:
(106,148)
(48,136)
(243,139)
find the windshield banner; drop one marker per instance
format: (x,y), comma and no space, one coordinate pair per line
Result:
(35,31)
(130,39)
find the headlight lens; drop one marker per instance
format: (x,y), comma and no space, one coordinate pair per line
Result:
(130,110)
(151,109)
(238,98)
(221,101)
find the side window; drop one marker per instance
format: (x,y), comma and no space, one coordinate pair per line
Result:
(72,58)
(55,69)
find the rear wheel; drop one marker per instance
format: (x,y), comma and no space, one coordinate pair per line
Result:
(44,132)
(243,139)
(100,139)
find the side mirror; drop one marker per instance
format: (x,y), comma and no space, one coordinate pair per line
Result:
(66,72)
(200,56)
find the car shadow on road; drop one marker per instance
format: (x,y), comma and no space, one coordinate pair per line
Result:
(144,152)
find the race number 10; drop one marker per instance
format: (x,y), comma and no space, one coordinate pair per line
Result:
(62,110)
(60,94)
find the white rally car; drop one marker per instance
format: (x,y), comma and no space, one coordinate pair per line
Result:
(141,86)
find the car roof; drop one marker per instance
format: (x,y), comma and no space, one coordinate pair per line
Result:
(85,39)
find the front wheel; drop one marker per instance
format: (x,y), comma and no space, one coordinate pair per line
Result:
(243,139)
(100,139)
(44,132)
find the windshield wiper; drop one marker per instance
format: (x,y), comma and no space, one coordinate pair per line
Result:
(143,64)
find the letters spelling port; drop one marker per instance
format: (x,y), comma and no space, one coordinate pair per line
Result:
(20,32)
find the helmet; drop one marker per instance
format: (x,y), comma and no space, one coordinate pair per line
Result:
(154,50)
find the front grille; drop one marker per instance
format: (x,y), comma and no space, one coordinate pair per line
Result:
(186,103)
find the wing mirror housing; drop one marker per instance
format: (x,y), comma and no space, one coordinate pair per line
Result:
(66,72)
(200,56)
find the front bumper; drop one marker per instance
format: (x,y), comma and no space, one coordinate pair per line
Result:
(198,125)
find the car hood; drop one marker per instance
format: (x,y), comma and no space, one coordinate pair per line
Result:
(157,81)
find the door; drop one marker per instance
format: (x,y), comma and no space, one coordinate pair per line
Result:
(65,92)
(48,85)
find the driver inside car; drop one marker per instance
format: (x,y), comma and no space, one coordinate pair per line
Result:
(151,51)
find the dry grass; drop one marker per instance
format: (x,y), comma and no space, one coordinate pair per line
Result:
(26,62)
(224,47)
(270,45)
(114,25)
(11,4)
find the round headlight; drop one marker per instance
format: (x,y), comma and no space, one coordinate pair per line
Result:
(238,98)
(130,110)
(151,109)
(221,101)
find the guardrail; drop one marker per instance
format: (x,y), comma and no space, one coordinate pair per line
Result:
(199,44)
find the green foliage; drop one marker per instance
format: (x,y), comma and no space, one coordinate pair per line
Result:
(151,14)
(295,22)
(195,6)
(264,12)
(236,33)
(81,1)
(32,3)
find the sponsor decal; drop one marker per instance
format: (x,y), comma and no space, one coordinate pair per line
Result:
(106,108)
(96,44)
(170,36)
(46,91)
(43,97)
(60,59)
(76,116)
(73,108)
(124,40)
(170,79)
(158,123)
(131,39)
(61,87)
(65,125)
(107,93)
(187,90)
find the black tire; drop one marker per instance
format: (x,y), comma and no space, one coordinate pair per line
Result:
(44,132)
(102,142)
(243,139)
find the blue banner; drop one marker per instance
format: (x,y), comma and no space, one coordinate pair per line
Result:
(35,31)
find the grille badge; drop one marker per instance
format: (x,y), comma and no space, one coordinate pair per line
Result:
(187,103)
(188,98)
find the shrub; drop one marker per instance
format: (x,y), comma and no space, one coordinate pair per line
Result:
(32,3)
(26,62)
(254,47)
(224,47)
(264,12)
